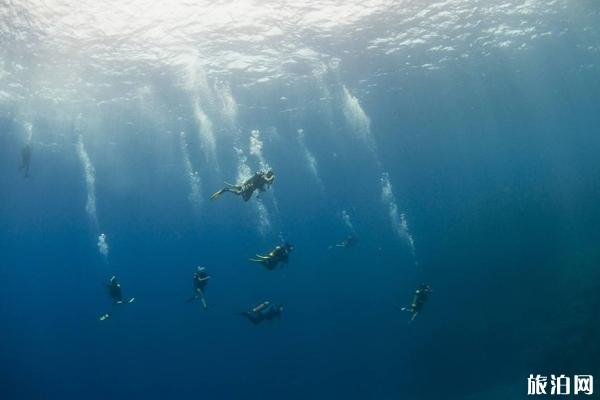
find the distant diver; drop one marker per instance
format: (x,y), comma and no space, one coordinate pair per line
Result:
(260,181)
(349,242)
(279,254)
(419,300)
(200,279)
(115,293)
(25,159)
(262,312)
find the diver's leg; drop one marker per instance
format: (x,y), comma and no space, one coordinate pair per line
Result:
(258,260)
(200,295)
(414,316)
(237,189)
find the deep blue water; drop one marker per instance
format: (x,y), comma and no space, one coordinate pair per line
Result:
(492,159)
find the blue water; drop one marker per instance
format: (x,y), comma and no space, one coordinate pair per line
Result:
(458,140)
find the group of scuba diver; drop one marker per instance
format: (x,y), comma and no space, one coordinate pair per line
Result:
(266,310)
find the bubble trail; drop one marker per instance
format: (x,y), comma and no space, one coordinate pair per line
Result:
(397,219)
(103,245)
(311,161)
(193,177)
(90,181)
(347,221)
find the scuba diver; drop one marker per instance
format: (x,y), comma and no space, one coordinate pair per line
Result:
(263,311)
(200,279)
(347,243)
(25,159)
(279,254)
(115,293)
(419,300)
(259,181)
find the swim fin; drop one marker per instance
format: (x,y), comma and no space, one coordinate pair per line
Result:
(104,317)
(216,194)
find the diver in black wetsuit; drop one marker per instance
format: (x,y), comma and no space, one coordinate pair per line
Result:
(279,254)
(116,294)
(262,312)
(419,299)
(259,181)
(25,159)
(200,279)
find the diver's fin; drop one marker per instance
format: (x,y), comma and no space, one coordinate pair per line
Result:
(104,317)
(413,317)
(255,260)
(263,257)
(131,300)
(216,194)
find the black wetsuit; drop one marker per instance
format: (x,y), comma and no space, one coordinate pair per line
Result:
(114,290)
(200,280)
(281,254)
(256,182)
(263,313)
(420,298)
